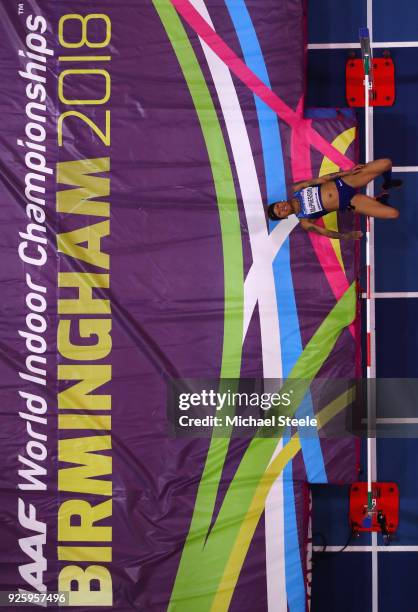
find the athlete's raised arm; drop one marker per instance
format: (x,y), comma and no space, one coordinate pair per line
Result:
(326,178)
(311,183)
(310,226)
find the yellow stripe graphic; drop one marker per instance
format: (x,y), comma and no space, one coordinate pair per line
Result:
(341,143)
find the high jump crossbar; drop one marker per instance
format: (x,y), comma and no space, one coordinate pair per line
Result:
(367,57)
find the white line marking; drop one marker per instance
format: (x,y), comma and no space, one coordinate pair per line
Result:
(369,549)
(394,44)
(392,294)
(405,169)
(374,45)
(397,421)
(323,46)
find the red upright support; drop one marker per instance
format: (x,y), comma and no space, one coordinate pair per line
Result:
(383,92)
(385,513)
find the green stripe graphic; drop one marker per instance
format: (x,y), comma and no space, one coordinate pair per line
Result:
(233,272)
(205,553)
(197,584)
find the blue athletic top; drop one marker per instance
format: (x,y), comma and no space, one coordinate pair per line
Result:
(310,201)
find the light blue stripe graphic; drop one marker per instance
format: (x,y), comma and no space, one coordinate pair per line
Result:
(276,188)
(267,118)
(291,344)
(291,349)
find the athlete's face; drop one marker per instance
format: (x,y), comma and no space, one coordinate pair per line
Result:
(283,209)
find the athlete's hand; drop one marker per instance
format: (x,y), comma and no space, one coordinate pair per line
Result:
(357,168)
(356,235)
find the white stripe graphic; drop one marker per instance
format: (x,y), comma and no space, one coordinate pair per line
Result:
(274,538)
(263,283)
(252,283)
(259,288)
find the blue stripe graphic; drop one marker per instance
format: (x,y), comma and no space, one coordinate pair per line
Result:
(291,348)
(267,118)
(291,344)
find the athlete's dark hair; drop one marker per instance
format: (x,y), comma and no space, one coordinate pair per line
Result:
(272,215)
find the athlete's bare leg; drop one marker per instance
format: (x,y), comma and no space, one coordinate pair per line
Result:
(364,205)
(368,173)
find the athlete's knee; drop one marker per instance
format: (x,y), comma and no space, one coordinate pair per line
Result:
(388,212)
(393,213)
(386,164)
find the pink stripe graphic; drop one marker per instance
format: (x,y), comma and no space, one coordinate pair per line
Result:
(303,133)
(301,168)
(251,80)
(300,152)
